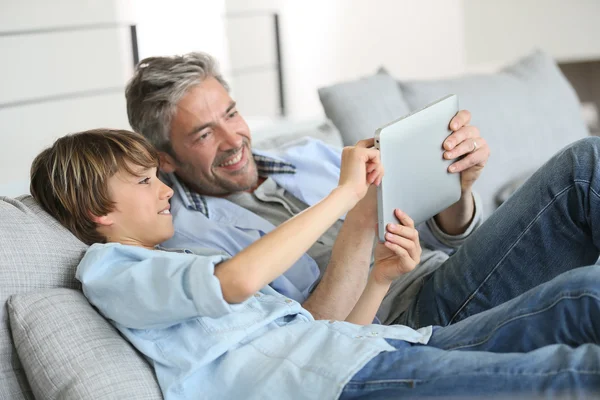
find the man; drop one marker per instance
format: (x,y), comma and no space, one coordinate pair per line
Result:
(226,197)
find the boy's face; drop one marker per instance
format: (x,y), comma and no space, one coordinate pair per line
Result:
(141,215)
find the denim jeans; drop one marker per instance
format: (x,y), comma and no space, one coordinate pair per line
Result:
(549,226)
(542,343)
(517,311)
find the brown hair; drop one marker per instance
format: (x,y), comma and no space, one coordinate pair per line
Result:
(70,179)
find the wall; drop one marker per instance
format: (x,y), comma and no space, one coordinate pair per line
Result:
(497,31)
(330,41)
(64,68)
(180,26)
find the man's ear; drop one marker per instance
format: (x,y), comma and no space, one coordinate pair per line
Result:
(167,163)
(104,220)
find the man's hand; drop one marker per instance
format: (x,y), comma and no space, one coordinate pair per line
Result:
(465,140)
(401,251)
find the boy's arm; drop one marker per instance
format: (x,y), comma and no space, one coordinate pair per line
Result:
(266,259)
(366,308)
(398,255)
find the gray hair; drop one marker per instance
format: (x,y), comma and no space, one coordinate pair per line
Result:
(158,84)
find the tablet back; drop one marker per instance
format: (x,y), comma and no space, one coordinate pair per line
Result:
(416,177)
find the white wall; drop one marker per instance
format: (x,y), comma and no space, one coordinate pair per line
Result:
(335,40)
(497,31)
(180,26)
(64,68)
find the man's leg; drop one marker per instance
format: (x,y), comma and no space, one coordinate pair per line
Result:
(549,226)
(538,344)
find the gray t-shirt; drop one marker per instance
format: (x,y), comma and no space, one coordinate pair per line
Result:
(276,205)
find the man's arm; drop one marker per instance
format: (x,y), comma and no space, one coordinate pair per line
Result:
(455,219)
(348,268)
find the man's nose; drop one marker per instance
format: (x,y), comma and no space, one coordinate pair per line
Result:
(230,139)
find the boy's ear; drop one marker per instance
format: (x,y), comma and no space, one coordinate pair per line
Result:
(103,220)
(167,163)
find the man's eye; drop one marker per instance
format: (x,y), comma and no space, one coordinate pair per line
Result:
(233,114)
(145,181)
(203,136)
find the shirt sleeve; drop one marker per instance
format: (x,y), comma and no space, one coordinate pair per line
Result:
(433,236)
(148,289)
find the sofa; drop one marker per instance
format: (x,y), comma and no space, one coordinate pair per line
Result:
(54,344)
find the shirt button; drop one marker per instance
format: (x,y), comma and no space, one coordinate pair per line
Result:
(358,337)
(288,301)
(331,321)
(374,333)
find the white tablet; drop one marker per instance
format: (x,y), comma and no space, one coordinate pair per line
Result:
(416,177)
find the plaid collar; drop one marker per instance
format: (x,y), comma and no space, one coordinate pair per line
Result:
(266,166)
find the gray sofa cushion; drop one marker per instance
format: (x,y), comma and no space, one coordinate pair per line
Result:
(69,351)
(359,107)
(526,112)
(35,252)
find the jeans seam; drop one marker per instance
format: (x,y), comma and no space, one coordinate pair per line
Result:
(589,183)
(359,385)
(564,296)
(525,231)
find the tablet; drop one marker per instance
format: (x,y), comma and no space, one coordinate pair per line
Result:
(416,178)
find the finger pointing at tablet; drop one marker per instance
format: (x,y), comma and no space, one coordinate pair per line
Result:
(361,167)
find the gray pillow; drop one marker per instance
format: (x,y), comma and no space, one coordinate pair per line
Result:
(359,107)
(35,252)
(69,351)
(526,112)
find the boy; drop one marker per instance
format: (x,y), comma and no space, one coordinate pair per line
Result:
(212,327)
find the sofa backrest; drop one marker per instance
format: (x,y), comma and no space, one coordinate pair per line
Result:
(36,252)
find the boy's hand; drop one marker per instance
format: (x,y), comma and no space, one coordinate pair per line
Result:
(361,167)
(401,251)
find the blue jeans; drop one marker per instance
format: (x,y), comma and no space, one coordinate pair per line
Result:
(517,311)
(549,226)
(541,343)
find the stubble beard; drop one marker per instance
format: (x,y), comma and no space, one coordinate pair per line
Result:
(221,186)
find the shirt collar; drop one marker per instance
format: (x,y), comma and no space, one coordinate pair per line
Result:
(265,165)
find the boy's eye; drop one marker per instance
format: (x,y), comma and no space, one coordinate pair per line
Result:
(145,181)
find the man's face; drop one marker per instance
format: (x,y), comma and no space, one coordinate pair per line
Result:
(141,215)
(211,142)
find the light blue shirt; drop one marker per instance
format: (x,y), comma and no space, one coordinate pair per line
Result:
(230,228)
(169,305)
